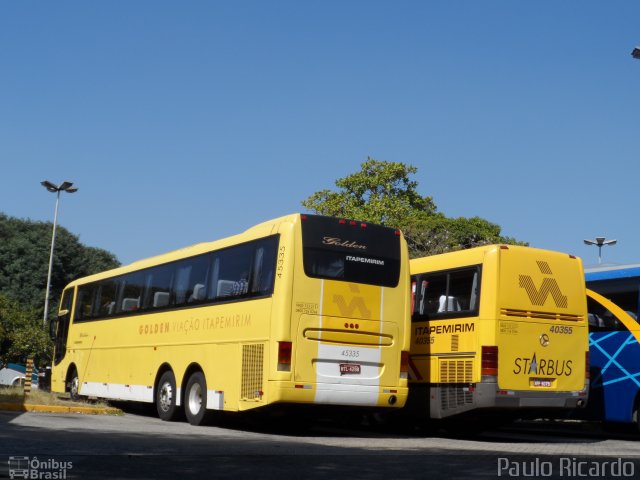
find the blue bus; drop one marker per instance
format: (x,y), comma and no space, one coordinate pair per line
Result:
(613,300)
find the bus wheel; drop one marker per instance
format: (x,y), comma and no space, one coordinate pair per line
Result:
(74,386)
(195,399)
(166,396)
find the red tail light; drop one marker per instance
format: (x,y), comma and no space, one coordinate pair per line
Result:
(490,361)
(587,372)
(284,356)
(404,364)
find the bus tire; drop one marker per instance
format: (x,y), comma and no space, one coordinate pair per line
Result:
(195,399)
(636,415)
(74,385)
(166,396)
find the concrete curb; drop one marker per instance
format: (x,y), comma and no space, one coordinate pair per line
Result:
(20,407)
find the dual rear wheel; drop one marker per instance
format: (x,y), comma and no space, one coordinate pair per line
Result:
(194,401)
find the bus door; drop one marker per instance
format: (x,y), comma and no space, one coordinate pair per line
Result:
(59,328)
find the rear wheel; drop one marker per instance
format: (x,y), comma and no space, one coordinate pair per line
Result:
(166,396)
(195,399)
(74,386)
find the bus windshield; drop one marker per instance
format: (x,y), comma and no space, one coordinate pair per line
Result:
(363,253)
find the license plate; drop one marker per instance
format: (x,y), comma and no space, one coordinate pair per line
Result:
(349,369)
(542,382)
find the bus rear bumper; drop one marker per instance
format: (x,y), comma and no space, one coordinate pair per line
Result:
(525,399)
(339,394)
(442,401)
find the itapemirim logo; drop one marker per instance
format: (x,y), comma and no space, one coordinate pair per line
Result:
(538,296)
(33,468)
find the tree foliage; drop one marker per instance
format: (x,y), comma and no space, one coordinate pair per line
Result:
(22,333)
(24,260)
(383,192)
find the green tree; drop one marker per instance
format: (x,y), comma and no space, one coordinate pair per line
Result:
(24,260)
(383,192)
(22,334)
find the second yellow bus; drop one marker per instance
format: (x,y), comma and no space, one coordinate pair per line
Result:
(497,327)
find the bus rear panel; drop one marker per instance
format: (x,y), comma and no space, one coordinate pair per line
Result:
(498,327)
(349,314)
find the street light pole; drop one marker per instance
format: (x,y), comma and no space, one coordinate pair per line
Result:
(51,187)
(600,242)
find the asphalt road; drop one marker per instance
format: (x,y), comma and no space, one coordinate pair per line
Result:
(137,445)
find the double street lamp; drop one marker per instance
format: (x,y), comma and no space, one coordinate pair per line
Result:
(53,188)
(600,242)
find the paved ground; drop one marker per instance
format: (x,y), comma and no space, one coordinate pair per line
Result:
(141,446)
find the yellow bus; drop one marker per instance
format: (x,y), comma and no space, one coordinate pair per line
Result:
(301,309)
(497,327)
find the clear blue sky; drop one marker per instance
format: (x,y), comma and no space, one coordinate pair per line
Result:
(182,122)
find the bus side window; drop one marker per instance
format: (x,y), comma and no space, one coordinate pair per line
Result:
(435,288)
(601,319)
(264,266)
(106,298)
(462,287)
(84,302)
(611,322)
(595,322)
(475,292)
(158,287)
(424,284)
(131,292)
(235,271)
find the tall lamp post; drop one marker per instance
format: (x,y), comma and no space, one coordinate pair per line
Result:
(53,188)
(600,242)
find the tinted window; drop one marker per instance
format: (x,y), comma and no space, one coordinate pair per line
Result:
(84,303)
(350,251)
(158,287)
(624,292)
(106,298)
(601,319)
(191,277)
(131,294)
(235,273)
(243,271)
(448,294)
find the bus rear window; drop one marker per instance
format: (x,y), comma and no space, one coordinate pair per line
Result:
(350,251)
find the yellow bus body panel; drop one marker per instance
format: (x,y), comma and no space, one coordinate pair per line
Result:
(532,308)
(235,344)
(542,330)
